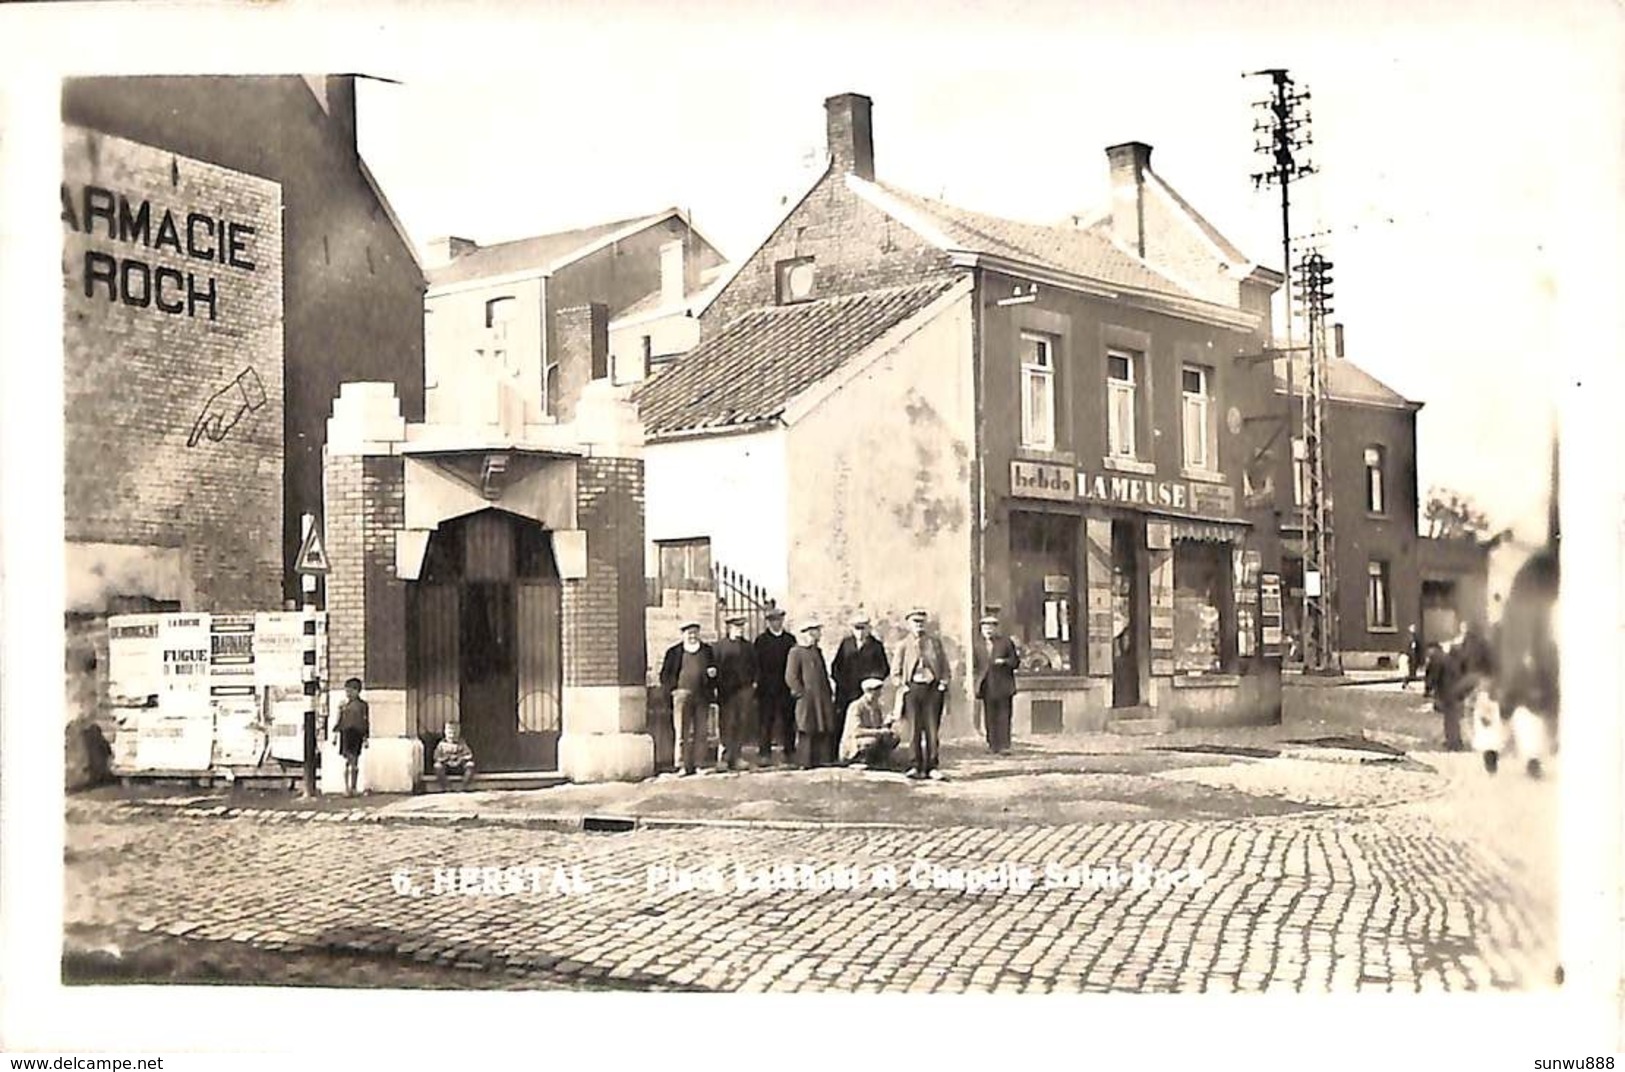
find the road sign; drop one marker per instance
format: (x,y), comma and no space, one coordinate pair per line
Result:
(312,557)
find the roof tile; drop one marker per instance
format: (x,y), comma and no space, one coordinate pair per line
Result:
(749,372)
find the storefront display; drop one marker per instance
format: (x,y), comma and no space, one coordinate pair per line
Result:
(1043,564)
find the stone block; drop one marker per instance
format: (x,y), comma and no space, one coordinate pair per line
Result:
(608,709)
(606,757)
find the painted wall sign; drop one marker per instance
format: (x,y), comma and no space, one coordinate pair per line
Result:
(1040,480)
(1148,493)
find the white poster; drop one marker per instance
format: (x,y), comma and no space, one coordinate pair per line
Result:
(279,649)
(240,733)
(287,707)
(177,735)
(184,653)
(134,671)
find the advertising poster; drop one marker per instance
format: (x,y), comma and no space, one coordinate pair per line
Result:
(134,671)
(231,650)
(184,653)
(240,736)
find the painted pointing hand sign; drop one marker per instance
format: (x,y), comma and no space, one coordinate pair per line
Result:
(226,407)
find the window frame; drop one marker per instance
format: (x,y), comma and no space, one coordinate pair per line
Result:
(1376,493)
(1208,463)
(1045,373)
(781,280)
(1114,388)
(694,577)
(1379,595)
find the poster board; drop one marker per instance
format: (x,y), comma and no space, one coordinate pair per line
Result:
(1269,613)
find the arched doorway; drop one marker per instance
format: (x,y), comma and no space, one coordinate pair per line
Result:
(487,652)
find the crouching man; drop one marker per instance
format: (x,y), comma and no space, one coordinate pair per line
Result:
(868,740)
(453,756)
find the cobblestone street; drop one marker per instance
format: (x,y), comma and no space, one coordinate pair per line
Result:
(1408,897)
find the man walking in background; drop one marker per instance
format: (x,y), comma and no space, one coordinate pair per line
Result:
(736,690)
(859,657)
(775,707)
(689,675)
(922,675)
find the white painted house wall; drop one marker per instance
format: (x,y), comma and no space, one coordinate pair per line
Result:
(730,488)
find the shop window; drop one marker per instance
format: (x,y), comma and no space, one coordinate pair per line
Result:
(1043,586)
(1197,418)
(685,564)
(1037,391)
(1204,637)
(1376,492)
(1121,377)
(1379,607)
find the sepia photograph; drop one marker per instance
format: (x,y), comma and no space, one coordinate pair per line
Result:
(752,500)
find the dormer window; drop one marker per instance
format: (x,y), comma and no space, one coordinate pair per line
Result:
(795,280)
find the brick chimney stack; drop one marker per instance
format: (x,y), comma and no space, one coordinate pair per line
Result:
(439,252)
(850,133)
(1129,163)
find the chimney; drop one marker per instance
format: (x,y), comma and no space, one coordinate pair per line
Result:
(1337,339)
(672,280)
(439,252)
(851,134)
(1129,163)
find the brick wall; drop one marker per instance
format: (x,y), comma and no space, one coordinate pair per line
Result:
(603,612)
(354,293)
(173,369)
(582,343)
(344,530)
(855,247)
(383,486)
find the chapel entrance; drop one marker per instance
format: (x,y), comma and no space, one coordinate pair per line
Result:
(486,643)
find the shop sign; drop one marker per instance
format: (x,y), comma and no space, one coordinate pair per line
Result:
(1040,480)
(1269,612)
(1057,584)
(1159,495)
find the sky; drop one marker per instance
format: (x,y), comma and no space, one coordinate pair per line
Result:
(1450,151)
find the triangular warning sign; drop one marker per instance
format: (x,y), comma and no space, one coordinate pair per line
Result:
(312,557)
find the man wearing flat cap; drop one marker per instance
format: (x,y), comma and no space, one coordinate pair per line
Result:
(775,707)
(860,656)
(996,661)
(689,676)
(736,690)
(806,675)
(869,737)
(922,675)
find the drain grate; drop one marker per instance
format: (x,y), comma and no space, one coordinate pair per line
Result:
(608,824)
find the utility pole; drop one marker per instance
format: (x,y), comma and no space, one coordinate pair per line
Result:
(1319,572)
(1282,136)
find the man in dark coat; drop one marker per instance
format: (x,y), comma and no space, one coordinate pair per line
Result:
(736,690)
(689,675)
(996,663)
(806,675)
(775,707)
(859,658)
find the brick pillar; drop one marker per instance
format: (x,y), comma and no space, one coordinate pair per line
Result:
(364,506)
(604,713)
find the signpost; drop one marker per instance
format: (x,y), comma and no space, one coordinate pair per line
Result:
(311,564)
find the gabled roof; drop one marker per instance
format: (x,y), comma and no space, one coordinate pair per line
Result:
(750,371)
(1347,382)
(543,253)
(1066,248)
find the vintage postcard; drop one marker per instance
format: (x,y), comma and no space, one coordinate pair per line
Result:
(1061,501)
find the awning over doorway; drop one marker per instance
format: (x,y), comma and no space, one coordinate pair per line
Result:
(1208,531)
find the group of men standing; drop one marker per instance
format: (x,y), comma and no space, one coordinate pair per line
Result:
(822,713)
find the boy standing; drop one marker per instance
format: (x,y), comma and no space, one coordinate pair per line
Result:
(350,732)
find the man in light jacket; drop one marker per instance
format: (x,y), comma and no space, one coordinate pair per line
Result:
(922,675)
